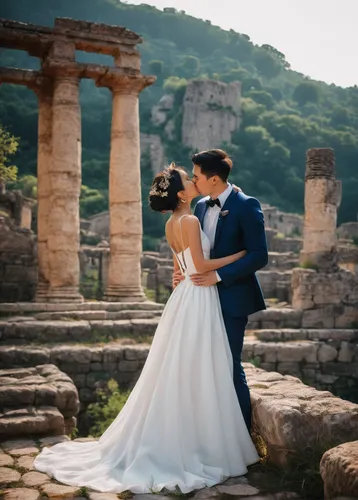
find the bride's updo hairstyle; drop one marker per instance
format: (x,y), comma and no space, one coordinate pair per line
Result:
(163,195)
(213,162)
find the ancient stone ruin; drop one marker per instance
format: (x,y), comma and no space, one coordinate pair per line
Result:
(59,149)
(320,288)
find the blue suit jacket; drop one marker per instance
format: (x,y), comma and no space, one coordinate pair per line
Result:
(241,229)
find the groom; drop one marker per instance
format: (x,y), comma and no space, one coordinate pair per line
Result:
(233,222)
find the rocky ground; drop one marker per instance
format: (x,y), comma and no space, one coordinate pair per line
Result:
(19,481)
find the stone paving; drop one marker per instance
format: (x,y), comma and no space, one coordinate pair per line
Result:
(19,481)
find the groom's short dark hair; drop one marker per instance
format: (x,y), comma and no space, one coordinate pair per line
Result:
(213,162)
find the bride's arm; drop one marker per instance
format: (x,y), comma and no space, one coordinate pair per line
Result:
(192,237)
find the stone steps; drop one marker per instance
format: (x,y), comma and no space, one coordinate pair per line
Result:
(33,308)
(98,315)
(38,400)
(82,331)
(299,334)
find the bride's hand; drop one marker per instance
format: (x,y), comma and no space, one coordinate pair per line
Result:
(236,188)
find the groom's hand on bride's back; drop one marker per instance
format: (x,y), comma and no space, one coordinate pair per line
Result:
(205,279)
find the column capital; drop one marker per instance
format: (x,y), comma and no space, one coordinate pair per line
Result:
(126,84)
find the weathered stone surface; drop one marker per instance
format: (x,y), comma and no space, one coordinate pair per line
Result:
(113,496)
(5,460)
(33,479)
(21,494)
(211,113)
(50,441)
(8,476)
(346,353)
(339,471)
(37,401)
(26,462)
(327,353)
(238,490)
(59,491)
(17,447)
(289,417)
(205,493)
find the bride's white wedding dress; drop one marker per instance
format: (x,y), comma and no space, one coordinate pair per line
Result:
(182,425)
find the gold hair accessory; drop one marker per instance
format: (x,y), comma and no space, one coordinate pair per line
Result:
(161,189)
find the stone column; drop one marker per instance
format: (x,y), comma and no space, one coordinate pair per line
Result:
(125,209)
(63,227)
(44,158)
(322,198)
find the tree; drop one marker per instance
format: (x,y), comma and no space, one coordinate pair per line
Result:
(277,55)
(8,147)
(266,64)
(261,97)
(306,92)
(156,67)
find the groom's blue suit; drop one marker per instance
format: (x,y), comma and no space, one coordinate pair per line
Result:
(241,228)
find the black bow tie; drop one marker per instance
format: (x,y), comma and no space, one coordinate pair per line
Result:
(210,202)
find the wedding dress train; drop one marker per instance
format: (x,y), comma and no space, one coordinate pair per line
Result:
(182,425)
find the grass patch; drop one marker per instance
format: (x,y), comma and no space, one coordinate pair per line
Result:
(255,361)
(307,264)
(110,402)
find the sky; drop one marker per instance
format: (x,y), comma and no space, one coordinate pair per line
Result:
(318,37)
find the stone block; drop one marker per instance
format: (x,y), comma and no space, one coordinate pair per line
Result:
(339,471)
(318,318)
(289,368)
(267,351)
(291,416)
(346,352)
(87,395)
(128,366)
(93,378)
(96,367)
(110,368)
(113,354)
(327,353)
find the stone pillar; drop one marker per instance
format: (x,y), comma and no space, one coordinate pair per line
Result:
(322,198)
(125,209)
(63,224)
(44,158)
(326,294)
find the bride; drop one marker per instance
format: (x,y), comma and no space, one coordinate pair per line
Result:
(182,425)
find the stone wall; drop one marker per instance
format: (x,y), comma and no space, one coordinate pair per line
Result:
(285,223)
(329,298)
(152,145)
(93,271)
(348,230)
(326,363)
(99,224)
(211,113)
(18,263)
(326,360)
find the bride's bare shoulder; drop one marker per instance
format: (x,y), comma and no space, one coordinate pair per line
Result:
(190,221)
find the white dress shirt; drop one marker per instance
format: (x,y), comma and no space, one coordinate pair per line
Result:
(212,216)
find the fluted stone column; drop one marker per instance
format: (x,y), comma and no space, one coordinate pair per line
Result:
(63,228)
(125,210)
(322,199)
(44,158)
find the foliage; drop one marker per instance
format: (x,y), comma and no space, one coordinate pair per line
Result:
(27,184)
(8,147)
(283,112)
(110,402)
(306,92)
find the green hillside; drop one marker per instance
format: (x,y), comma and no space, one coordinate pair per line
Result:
(284,112)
